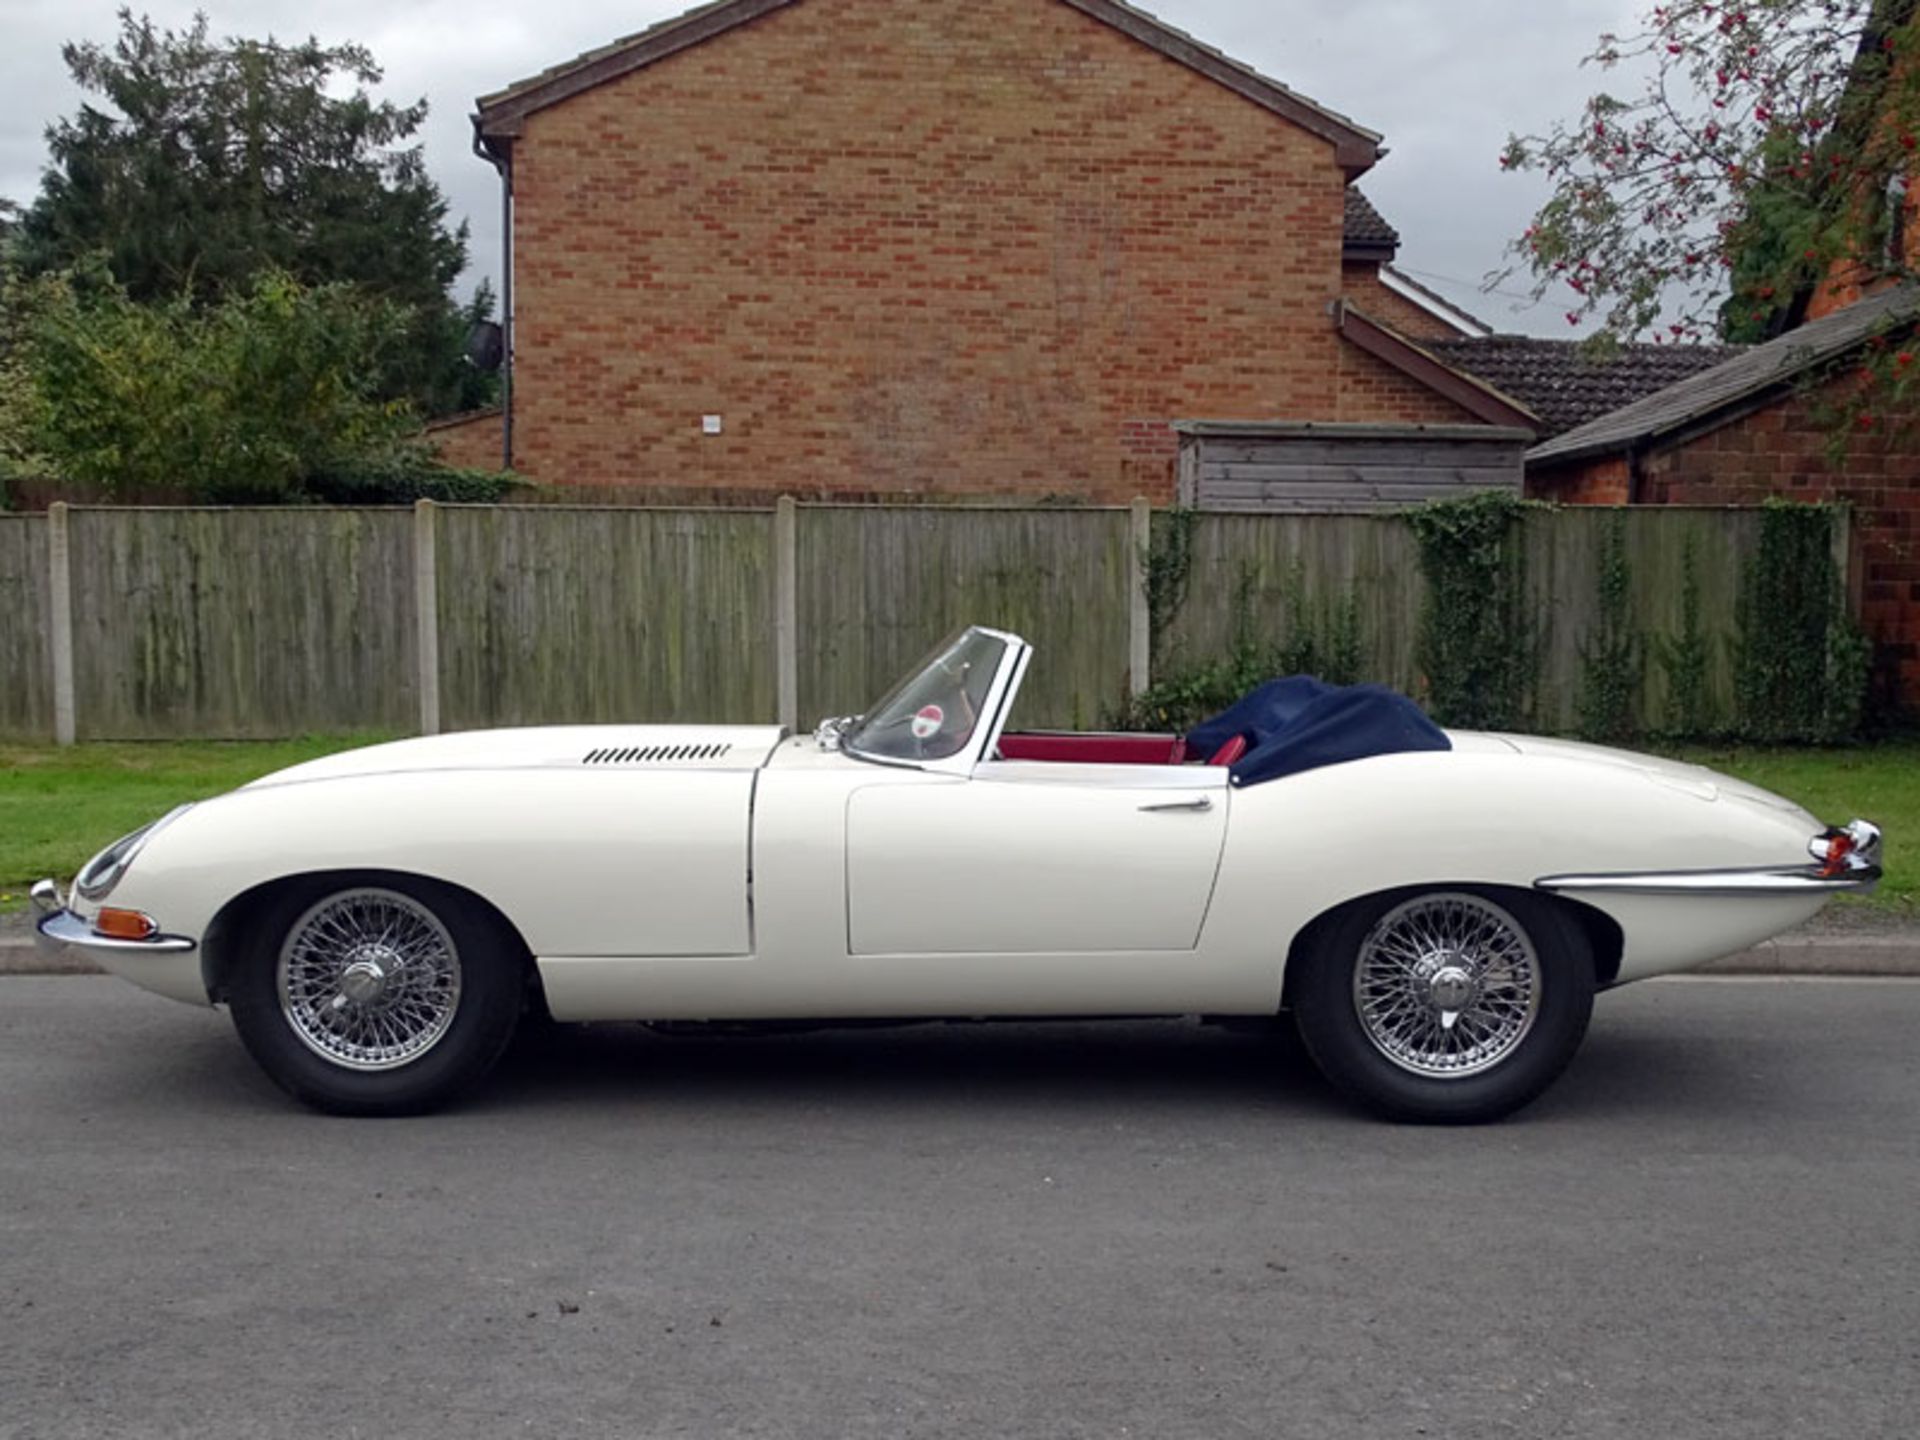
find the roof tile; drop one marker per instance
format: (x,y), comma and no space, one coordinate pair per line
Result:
(1366,225)
(1565,383)
(1359,146)
(1747,374)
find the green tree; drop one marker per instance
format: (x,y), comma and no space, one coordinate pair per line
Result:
(17,456)
(211,162)
(1758,148)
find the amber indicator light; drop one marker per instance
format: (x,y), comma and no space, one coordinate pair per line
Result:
(124,924)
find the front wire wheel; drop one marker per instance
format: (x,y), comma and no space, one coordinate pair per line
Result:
(369,979)
(382,998)
(1451,1005)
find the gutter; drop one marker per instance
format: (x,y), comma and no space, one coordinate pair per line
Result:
(502,161)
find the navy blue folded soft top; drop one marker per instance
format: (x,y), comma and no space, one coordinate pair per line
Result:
(1300,723)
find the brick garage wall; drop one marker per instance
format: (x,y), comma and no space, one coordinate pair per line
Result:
(1601,482)
(902,247)
(1783,451)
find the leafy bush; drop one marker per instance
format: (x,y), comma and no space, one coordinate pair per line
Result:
(404,474)
(17,457)
(254,399)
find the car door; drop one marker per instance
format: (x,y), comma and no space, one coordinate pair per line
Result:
(1026,857)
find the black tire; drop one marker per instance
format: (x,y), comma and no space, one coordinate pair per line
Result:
(455,1024)
(1533,1016)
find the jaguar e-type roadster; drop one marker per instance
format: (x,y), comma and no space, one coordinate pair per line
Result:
(1435,909)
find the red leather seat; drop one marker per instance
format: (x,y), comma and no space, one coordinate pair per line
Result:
(1081,749)
(1229,752)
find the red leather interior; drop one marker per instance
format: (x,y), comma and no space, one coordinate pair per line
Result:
(1229,752)
(1096,749)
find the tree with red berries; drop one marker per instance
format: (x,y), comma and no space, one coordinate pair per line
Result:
(1770,148)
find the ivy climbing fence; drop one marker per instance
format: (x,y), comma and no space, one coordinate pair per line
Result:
(1612,623)
(154,623)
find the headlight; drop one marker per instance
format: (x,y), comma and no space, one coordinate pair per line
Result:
(103,872)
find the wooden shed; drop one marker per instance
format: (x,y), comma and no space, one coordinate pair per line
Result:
(1262,465)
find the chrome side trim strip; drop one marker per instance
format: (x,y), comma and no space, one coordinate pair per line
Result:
(1805,880)
(1859,872)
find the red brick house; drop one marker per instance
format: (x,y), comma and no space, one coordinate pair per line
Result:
(1761,424)
(966,248)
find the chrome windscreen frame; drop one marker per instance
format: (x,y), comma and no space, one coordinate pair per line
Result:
(997,705)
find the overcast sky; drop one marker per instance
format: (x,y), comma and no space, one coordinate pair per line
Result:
(1444,80)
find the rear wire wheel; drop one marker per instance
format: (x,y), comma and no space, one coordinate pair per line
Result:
(1446,1005)
(385,997)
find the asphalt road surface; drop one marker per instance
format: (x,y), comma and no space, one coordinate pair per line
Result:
(1711,1227)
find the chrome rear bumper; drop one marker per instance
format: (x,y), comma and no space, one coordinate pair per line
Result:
(1854,871)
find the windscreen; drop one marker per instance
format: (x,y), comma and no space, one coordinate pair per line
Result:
(934,712)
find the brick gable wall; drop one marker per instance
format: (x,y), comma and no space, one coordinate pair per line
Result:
(1362,284)
(905,247)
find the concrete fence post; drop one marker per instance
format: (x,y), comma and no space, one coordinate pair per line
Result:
(786,610)
(1139,615)
(60,612)
(426,607)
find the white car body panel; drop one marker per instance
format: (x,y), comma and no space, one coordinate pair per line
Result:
(1460,817)
(572,856)
(557,747)
(689,873)
(805,965)
(1033,858)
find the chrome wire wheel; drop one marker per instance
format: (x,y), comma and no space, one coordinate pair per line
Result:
(1447,985)
(369,979)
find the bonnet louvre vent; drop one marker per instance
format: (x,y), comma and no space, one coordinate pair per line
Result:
(656,754)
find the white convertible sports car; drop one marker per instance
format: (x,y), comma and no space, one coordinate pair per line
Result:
(1435,909)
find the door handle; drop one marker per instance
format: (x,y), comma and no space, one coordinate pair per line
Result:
(1202,804)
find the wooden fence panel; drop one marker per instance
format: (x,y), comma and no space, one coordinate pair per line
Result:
(264,623)
(879,587)
(241,623)
(1722,542)
(26,664)
(554,616)
(1565,551)
(1272,575)
(1252,572)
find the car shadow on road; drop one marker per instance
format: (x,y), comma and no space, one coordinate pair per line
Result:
(1624,1071)
(1165,1062)
(1620,1072)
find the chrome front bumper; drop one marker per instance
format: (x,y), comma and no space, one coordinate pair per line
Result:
(1855,871)
(57,931)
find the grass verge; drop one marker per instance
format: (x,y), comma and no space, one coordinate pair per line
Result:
(59,806)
